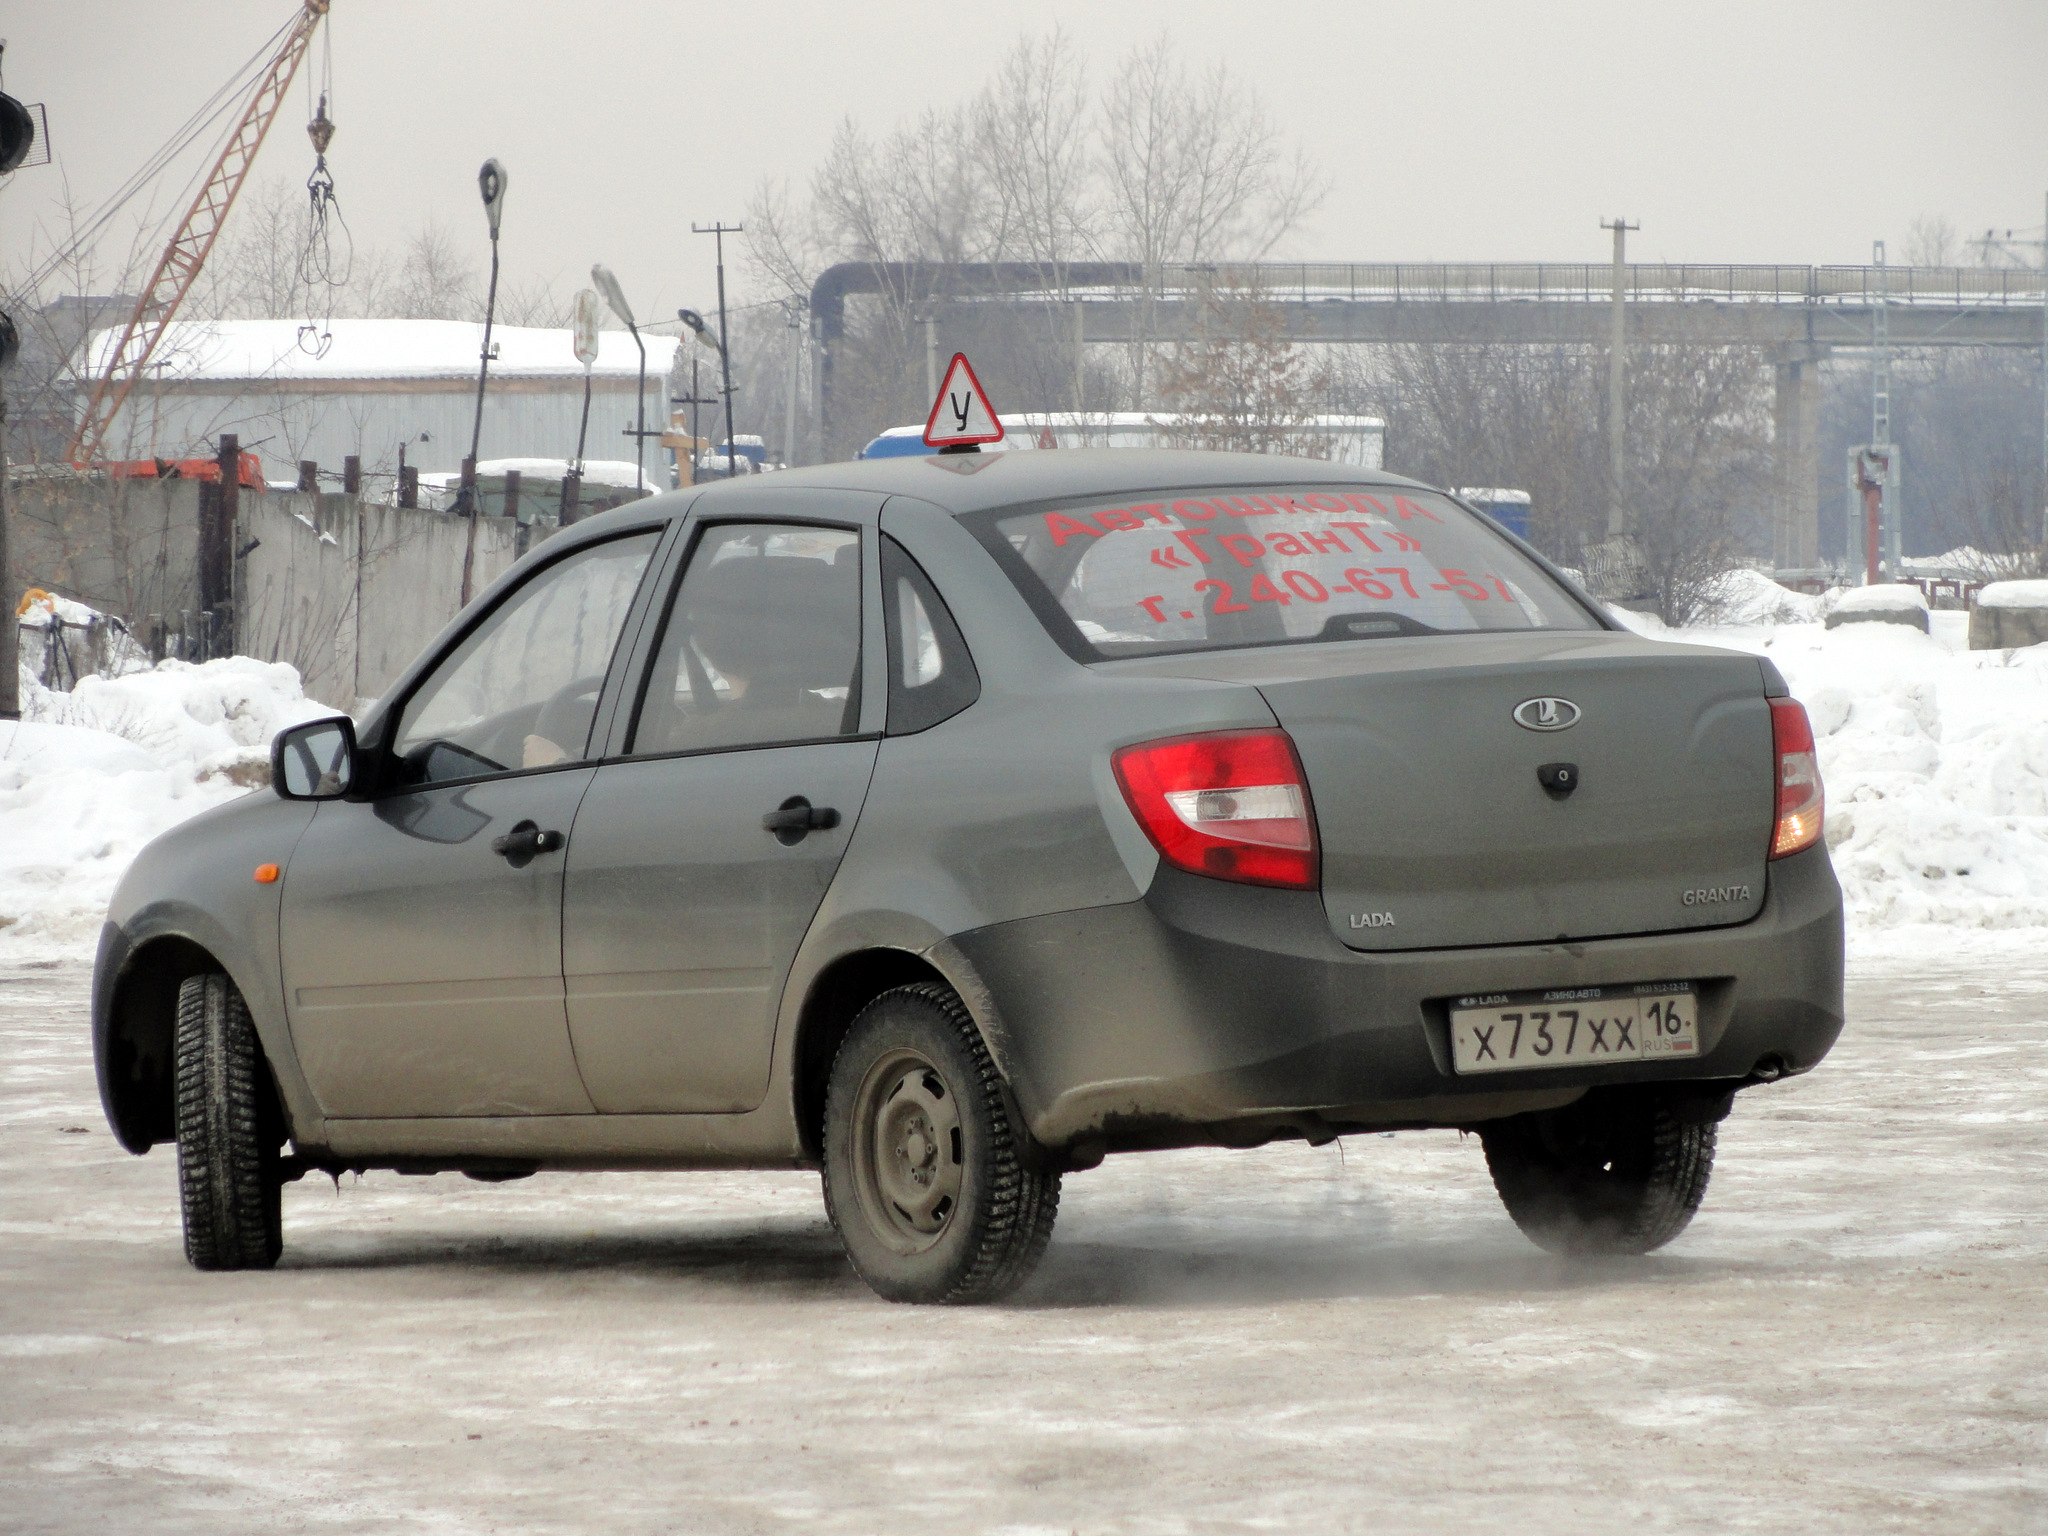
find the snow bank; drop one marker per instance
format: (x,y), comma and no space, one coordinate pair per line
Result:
(2014,594)
(1935,760)
(1751,597)
(88,777)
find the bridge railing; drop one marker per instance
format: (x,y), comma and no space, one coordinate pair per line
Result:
(1593,282)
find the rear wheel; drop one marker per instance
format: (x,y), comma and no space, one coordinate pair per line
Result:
(229,1132)
(1618,1172)
(927,1176)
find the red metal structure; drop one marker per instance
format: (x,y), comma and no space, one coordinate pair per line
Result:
(193,241)
(248,471)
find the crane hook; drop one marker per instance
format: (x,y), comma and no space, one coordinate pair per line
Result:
(321,129)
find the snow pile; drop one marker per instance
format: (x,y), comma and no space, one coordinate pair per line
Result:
(1886,597)
(1935,759)
(88,777)
(1751,597)
(2014,594)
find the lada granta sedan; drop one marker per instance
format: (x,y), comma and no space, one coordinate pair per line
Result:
(948,824)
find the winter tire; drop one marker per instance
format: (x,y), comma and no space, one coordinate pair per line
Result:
(928,1177)
(1618,1172)
(229,1131)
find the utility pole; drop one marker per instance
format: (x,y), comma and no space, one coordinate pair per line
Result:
(695,398)
(795,308)
(721,229)
(1617,384)
(10,624)
(1891,511)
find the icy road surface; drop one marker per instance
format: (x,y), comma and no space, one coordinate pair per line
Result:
(1852,1337)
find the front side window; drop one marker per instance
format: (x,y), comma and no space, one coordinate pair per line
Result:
(761,643)
(521,689)
(1187,571)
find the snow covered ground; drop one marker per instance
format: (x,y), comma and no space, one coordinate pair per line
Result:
(1849,1338)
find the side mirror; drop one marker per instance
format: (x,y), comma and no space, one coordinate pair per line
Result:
(314,761)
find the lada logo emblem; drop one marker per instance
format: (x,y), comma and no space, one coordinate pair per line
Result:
(1547,714)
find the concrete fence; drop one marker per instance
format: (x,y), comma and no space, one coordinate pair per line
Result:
(346,590)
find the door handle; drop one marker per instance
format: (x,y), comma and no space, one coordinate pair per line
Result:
(526,840)
(795,818)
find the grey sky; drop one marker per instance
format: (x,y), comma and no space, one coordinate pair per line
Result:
(1752,130)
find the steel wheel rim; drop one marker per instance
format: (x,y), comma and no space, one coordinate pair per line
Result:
(909,1151)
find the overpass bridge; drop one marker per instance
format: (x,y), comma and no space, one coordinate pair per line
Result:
(1796,316)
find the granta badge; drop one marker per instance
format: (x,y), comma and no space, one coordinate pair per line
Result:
(1547,714)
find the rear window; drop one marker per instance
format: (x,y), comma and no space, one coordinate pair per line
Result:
(1190,571)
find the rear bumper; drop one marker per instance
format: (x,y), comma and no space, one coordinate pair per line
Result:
(1227,1014)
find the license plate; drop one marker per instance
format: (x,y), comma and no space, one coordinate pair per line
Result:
(1575,1026)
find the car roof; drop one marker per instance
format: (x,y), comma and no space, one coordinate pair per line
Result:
(963,483)
(974,482)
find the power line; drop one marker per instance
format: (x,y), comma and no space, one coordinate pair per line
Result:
(182,138)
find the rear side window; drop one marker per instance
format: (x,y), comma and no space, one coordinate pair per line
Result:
(1190,571)
(931,676)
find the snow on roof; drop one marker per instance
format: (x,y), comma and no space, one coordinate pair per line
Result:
(2014,594)
(595,471)
(1490,496)
(376,349)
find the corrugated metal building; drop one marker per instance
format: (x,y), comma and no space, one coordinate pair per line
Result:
(294,390)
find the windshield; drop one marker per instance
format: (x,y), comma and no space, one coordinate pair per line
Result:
(1209,570)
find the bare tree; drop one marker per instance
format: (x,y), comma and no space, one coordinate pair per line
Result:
(1931,241)
(1033,168)
(1031,162)
(1699,438)
(533,301)
(1194,170)
(1242,386)
(256,269)
(432,281)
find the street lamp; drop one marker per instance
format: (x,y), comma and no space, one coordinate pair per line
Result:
(491,182)
(710,343)
(615,296)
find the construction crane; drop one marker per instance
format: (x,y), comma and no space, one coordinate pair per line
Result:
(193,240)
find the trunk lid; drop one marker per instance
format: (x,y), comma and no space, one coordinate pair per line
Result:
(1435,829)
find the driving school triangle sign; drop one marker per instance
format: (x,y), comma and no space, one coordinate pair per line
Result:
(962,416)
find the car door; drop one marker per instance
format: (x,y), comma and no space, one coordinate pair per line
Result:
(703,850)
(421,927)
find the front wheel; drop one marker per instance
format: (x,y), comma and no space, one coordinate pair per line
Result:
(1620,1171)
(229,1131)
(927,1175)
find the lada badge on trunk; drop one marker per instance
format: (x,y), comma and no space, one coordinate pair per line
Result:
(1547,714)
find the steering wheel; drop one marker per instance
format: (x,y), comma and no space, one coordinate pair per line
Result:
(566,718)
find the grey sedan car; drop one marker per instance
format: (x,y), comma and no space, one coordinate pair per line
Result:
(948,824)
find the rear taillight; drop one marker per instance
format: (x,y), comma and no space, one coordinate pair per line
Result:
(1799,791)
(1229,804)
